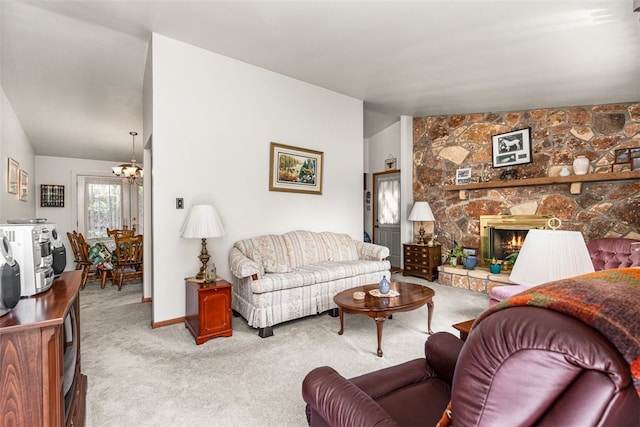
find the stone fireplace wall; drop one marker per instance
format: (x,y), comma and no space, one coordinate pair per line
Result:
(443,144)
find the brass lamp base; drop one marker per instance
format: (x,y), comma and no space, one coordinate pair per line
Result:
(204,259)
(421,235)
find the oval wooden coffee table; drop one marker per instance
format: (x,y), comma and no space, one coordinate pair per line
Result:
(411,296)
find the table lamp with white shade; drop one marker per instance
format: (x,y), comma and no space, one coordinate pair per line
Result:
(203,222)
(548,255)
(421,211)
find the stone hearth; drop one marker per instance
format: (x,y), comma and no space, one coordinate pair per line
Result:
(478,279)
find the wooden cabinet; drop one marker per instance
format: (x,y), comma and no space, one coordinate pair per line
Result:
(39,339)
(422,261)
(208,309)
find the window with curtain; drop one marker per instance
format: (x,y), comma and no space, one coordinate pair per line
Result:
(107,202)
(103,202)
(389,200)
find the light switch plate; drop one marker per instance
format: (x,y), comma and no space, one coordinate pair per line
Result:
(179,203)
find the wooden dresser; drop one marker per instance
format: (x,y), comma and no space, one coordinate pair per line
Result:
(34,346)
(422,261)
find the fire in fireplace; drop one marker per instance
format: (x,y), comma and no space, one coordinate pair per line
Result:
(504,242)
(502,235)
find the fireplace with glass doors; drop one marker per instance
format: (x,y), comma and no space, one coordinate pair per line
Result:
(502,235)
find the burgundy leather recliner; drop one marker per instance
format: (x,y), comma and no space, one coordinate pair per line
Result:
(520,366)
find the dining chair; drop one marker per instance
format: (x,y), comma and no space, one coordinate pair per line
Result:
(128,260)
(90,272)
(121,232)
(73,242)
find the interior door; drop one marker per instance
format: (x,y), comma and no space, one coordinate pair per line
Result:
(386,220)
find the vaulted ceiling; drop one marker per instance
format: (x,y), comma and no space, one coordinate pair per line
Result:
(73,70)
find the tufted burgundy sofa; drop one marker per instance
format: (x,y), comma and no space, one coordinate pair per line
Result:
(542,368)
(606,253)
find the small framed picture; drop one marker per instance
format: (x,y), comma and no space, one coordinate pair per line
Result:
(603,168)
(620,167)
(635,164)
(470,251)
(622,156)
(463,176)
(390,163)
(24,185)
(634,152)
(13,176)
(512,148)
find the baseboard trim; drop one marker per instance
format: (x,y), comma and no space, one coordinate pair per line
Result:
(169,322)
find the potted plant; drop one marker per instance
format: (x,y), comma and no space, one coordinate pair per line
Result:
(510,260)
(495,265)
(456,254)
(470,262)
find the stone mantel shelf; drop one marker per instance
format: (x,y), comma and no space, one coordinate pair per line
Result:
(575,181)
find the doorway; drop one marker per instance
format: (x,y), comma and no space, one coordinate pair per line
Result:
(386,213)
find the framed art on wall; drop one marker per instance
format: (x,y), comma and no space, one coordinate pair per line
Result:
(623,155)
(621,167)
(51,196)
(463,176)
(512,148)
(294,169)
(13,176)
(24,185)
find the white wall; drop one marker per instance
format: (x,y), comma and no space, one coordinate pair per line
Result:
(379,147)
(15,144)
(213,121)
(63,171)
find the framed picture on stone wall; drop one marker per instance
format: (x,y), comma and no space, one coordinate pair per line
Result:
(512,148)
(621,167)
(463,176)
(622,156)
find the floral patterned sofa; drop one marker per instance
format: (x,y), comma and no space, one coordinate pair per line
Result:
(288,276)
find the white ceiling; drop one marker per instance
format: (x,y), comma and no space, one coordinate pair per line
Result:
(73,70)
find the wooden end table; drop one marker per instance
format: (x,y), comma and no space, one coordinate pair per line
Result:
(411,297)
(464,328)
(208,309)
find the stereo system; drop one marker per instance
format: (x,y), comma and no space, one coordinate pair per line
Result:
(32,250)
(57,249)
(9,277)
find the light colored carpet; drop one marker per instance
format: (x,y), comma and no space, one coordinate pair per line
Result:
(139,376)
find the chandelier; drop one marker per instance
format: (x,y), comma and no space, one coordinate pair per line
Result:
(130,171)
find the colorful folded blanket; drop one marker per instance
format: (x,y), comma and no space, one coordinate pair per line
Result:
(101,256)
(613,312)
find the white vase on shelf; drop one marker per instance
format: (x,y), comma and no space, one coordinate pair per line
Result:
(564,171)
(580,165)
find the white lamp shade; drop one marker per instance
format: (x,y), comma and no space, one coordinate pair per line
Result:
(203,222)
(421,211)
(548,255)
